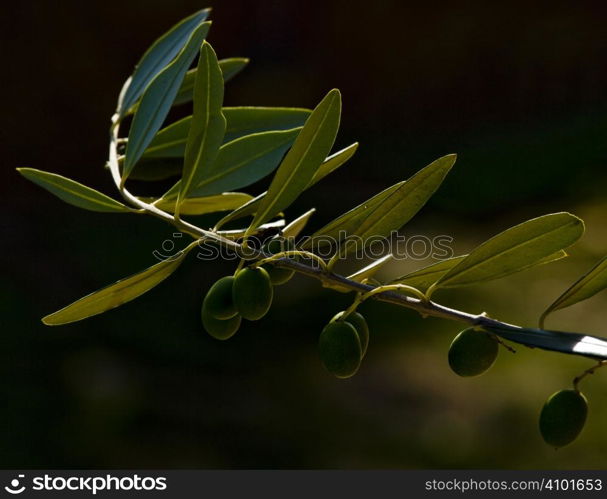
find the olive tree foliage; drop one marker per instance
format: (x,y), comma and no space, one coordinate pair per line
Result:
(218,150)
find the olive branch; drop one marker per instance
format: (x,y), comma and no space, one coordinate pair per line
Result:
(218,149)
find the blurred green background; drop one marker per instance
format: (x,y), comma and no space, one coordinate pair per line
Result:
(517,89)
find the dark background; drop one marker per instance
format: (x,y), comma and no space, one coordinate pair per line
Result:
(517,89)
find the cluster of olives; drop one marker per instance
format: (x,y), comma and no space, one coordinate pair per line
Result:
(563,416)
(343,344)
(247,295)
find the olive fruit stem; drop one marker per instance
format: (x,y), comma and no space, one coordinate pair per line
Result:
(396,287)
(577,379)
(352,308)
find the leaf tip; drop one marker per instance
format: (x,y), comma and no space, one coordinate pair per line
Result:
(47,321)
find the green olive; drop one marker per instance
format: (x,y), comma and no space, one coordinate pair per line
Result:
(217,328)
(252,293)
(339,348)
(563,417)
(472,352)
(277,275)
(361,326)
(218,301)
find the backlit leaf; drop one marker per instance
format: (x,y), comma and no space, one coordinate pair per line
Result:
(292,230)
(157,99)
(592,282)
(229,68)
(208,125)
(310,149)
(240,121)
(515,249)
(241,162)
(160,53)
(116,294)
(73,192)
(329,165)
(425,277)
(387,211)
(207,204)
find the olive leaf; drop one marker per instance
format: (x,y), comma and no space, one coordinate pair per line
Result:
(310,149)
(157,99)
(515,249)
(331,164)
(154,169)
(73,192)
(205,204)
(208,124)
(370,270)
(424,278)
(293,230)
(246,120)
(229,68)
(241,162)
(592,282)
(387,211)
(363,274)
(556,341)
(241,121)
(117,294)
(160,53)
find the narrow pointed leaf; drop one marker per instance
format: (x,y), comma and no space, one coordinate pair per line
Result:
(515,249)
(346,224)
(310,149)
(370,270)
(73,192)
(241,162)
(426,276)
(556,341)
(154,169)
(116,294)
(156,58)
(592,282)
(331,164)
(240,121)
(248,119)
(293,230)
(208,124)
(157,99)
(423,278)
(229,68)
(401,206)
(390,209)
(207,204)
